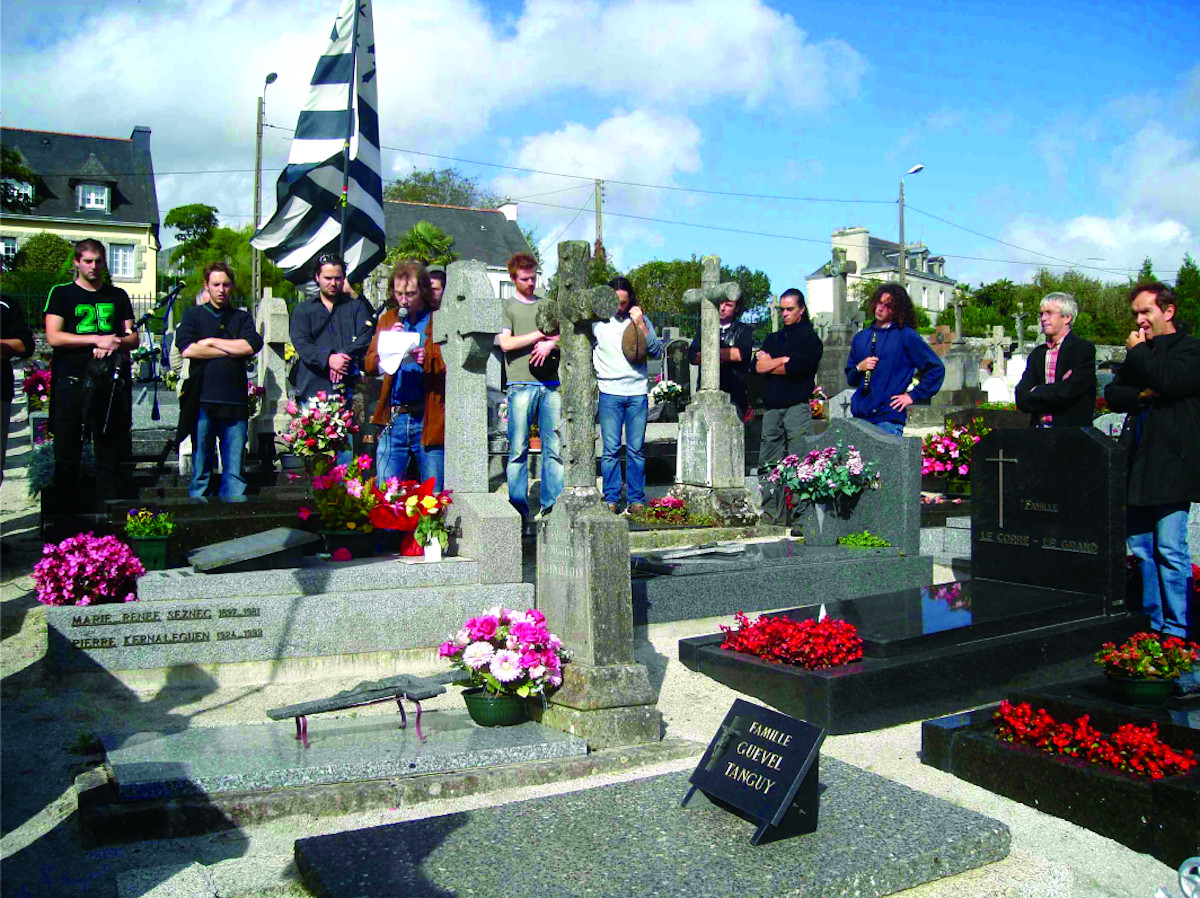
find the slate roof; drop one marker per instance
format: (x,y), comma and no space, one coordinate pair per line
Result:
(65,160)
(482,234)
(884,256)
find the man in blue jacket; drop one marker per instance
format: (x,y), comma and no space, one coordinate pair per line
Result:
(885,357)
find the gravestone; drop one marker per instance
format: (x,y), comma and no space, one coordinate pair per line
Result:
(488,528)
(678,368)
(1110,424)
(940,339)
(1048,510)
(838,330)
(1019,320)
(583,584)
(839,405)
(275,326)
(998,343)
(710,459)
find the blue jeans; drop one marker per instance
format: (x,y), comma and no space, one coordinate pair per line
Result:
(1158,539)
(528,403)
(894,428)
(628,412)
(232,434)
(400,441)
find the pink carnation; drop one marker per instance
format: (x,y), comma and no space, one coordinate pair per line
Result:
(341,554)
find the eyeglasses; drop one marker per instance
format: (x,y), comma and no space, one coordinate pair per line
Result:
(413,294)
(330,259)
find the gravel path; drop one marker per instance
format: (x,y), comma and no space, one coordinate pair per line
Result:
(48,729)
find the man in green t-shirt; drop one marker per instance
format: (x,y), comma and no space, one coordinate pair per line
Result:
(90,326)
(531,364)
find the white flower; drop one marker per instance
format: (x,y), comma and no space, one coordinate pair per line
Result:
(506,666)
(537,672)
(462,637)
(478,654)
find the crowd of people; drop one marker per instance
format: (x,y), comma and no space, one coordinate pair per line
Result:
(90,327)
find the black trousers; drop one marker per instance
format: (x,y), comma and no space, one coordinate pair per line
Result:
(69,420)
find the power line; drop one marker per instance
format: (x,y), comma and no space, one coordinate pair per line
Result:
(571,222)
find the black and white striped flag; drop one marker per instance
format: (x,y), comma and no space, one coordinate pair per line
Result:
(341,107)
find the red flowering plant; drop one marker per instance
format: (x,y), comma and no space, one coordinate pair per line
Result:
(345,497)
(36,387)
(321,427)
(1131,749)
(947,453)
(811,644)
(87,570)
(1147,656)
(408,505)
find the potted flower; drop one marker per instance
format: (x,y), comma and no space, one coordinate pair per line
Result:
(149,533)
(811,644)
(1142,670)
(254,395)
(344,498)
(817,402)
(825,486)
(36,387)
(87,570)
(511,656)
(413,507)
(947,454)
(319,430)
(668,394)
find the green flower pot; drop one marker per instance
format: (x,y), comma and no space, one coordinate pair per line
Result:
(494,710)
(150,550)
(1143,693)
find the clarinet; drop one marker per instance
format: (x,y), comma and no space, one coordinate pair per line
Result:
(866,383)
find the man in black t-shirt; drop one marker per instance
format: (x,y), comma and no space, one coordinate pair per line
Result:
(89,324)
(219,340)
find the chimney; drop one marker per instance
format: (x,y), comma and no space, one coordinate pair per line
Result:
(141,138)
(508,209)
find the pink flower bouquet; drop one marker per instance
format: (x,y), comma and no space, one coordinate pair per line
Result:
(321,427)
(87,570)
(948,452)
(345,496)
(508,652)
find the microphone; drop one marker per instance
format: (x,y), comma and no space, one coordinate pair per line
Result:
(866,384)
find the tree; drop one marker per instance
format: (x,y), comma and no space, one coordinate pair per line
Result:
(862,291)
(15,196)
(193,224)
(232,246)
(756,291)
(531,237)
(660,285)
(47,253)
(424,242)
(1187,293)
(1146,275)
(448,187)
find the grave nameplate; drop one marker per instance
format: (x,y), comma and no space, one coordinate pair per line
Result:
(1048,510)
(763,764)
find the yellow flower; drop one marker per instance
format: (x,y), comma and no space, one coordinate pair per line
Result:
(430,504)
(410,505)
(350,525)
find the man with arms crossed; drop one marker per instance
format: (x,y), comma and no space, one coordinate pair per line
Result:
(219,340)
(788,362)
(531,360)
(90,326)
(1058,388)
(1158,387)
(885,357)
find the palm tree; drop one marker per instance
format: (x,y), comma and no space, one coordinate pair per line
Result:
(426,243)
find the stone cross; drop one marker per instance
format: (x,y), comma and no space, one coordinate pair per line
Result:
(1019,318)
(709,296)
(571,314)
(774,314)
(465,327)
(839,269)
(487,527)
(274,324)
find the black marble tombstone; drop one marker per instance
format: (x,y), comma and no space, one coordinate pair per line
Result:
(678,368)
(1048,510)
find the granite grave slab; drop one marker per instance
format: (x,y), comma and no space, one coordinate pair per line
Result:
(254,757)
(918,646)
(1048,509)
(279,547)
(1158,817)
(876,837)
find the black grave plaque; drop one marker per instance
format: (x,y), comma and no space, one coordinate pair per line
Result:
(762,765)
(1048,510)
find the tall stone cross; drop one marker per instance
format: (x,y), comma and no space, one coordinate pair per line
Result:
(710,455)
(709,296)
(571,314)
(583,584)
(839,269)
(1019,319)
(275,326)
(488,528)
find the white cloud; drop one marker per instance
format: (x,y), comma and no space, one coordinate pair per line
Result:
(640,146)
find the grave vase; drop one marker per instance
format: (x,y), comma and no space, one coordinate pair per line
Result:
(824,523)
(150,550)
(433,550)
(494,710)
(1145,693)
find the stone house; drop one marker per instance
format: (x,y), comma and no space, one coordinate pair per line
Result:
(98,187)
(925,275)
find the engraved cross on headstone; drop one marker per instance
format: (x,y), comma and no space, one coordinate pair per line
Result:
(1002,462)
(709,296)
(727,734)
(571,314)
(465,327)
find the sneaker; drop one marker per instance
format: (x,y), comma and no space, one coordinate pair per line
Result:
(614,507)
(637,508)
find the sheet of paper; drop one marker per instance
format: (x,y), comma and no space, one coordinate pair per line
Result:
(395,347)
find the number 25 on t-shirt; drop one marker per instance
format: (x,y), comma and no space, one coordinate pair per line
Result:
(94,318)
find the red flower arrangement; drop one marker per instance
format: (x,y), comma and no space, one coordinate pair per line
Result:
(811,644)
(415,507)
(1131,749)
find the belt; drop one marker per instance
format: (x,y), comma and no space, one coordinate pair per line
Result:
(413,411)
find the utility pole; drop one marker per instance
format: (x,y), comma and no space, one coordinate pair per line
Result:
(255,255)
(911,171)
(599,218)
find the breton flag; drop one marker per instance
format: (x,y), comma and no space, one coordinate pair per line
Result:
(338,131)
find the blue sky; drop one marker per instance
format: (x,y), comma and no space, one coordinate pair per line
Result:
(1067,129)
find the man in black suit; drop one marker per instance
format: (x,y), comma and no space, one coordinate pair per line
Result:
(1058,388)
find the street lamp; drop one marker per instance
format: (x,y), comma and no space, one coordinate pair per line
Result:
(911,171)
(255,256)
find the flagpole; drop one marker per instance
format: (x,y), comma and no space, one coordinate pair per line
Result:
(349,131)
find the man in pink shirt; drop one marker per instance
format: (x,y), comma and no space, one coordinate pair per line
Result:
(1058,388)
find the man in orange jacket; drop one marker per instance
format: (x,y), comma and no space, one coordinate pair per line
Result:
(412,404)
